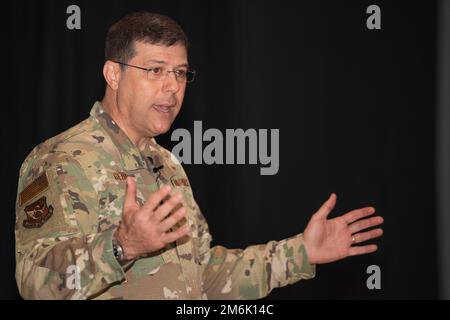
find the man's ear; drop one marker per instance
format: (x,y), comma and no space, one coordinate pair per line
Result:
(112,74)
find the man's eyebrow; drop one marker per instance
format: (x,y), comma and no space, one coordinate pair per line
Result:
(182,65)
(157,61)
(164,62)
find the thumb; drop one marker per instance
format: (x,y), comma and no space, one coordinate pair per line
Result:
(326,207)
(130,194)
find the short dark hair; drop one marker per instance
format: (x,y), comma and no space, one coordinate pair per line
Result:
(142,26)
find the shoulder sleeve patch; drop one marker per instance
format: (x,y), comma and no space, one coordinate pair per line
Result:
(40,212)
(39,185)
(37,213)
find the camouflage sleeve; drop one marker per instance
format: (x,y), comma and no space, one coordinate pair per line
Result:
(60,252)
(251,273)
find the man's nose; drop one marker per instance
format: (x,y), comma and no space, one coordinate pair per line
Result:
(171,83)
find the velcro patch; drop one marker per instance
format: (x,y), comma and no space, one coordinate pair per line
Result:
(34,188)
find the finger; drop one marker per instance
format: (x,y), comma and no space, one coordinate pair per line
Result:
(364,236)
(130,195)
(173,219)
(365,223)
(175,235)
(355,251)
(357,214)
(163,210)
(155,198)
(326,207)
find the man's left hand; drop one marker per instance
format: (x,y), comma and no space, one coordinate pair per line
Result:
(330,240)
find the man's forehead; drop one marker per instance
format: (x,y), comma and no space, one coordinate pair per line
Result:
(147,53)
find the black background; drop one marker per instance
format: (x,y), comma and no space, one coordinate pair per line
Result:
(355,108)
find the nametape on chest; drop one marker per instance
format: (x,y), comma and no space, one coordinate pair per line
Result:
(39,185)
(121,176)
(180,182)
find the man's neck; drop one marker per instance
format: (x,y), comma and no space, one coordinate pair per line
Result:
(111,107)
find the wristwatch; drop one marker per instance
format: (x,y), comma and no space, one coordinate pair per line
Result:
(118,251)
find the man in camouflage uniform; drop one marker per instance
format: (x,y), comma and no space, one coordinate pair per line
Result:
(105,212)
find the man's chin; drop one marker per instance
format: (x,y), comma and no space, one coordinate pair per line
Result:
(160,123)
(160,129)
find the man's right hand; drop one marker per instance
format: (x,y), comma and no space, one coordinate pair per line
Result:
(146,229)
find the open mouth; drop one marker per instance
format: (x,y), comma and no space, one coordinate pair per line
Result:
(162,108)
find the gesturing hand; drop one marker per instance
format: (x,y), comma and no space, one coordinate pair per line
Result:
(146,229)
(331,240)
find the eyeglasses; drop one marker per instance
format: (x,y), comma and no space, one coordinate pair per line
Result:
(159,73)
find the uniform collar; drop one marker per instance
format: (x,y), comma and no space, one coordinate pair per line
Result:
(132,158)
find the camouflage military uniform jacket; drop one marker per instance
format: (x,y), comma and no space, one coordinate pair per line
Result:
(70,197)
